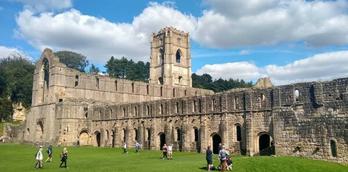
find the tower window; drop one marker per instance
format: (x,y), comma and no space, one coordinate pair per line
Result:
(178,56)
(97,82)
(179,79)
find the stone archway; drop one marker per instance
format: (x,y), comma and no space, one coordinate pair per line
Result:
(265,144)
(84,138)
(162,138)
(97,138)
(39,131)
(216,140)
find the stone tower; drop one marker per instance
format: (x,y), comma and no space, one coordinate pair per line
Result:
(170,58)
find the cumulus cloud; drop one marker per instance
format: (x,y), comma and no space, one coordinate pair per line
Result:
(99,38)
(324,66)
(45,5)
(236,70)
(231,23)
(12,52)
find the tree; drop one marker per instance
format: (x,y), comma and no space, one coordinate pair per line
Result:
(16,81)
(128,69)
(205,81)
(93,69)
(72,60)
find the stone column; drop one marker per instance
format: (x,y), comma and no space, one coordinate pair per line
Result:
(249,135)
(203,135)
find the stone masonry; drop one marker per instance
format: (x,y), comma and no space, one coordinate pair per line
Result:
(73,108)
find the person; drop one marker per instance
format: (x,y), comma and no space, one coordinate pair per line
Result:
(137,147)
(39,158)
(64,158)
(170,151)
(209,158)
(165,151)
(223,154)
(229,163)
(125,148)
(49,152)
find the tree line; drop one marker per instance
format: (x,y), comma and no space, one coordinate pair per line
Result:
(16,77)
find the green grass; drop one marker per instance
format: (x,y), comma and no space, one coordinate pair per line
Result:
(21,158)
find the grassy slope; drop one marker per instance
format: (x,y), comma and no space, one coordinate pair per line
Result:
(21,158)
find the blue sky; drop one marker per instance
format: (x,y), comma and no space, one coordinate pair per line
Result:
(289,41)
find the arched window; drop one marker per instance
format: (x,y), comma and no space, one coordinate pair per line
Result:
(161,109)
(116,85)
(178,136)
(147,89)
(97,82)
(135,111)
(161,56)
(132,87)
(333,148)
(173,92)
(46,70)
(296,95)
(76,80)
(238,132)
(147,110)
(178,56)
(177,107)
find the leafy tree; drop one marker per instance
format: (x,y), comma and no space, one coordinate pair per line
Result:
(205,81)
(93,69)
(128,69)
(16,81)
(73,60)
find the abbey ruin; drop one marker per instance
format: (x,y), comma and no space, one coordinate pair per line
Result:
(73,108)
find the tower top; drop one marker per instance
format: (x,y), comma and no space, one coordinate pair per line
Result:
(170,58)
(171,29)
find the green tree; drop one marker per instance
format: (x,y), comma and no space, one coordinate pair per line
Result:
(16,81)
(128,69)
(72,60)
(93,69)
(205,81)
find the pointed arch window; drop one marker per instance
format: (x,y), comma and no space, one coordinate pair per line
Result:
(178,56)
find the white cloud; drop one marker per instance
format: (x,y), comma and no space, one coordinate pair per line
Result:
(45,5)
(324,66)
(11,52)
(231,23)
(236,70)
(99,38)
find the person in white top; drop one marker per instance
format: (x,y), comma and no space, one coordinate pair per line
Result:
(170,151)
(223,155)
(39,158)
(125,148)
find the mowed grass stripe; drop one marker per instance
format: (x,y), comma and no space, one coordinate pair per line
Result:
(15,157)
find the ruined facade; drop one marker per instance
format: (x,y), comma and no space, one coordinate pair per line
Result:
(73,108)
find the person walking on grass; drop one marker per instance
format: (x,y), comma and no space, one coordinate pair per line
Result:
(49,152)
(170,151)
(64,158)
(209,158)
(165,151)
(137,147)
(39,158)
(125,148)
(223,154)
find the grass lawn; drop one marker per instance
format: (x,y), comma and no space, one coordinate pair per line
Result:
(16,157)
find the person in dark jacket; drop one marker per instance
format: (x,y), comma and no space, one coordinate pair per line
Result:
(50,153)
(64,158)
(209,158)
